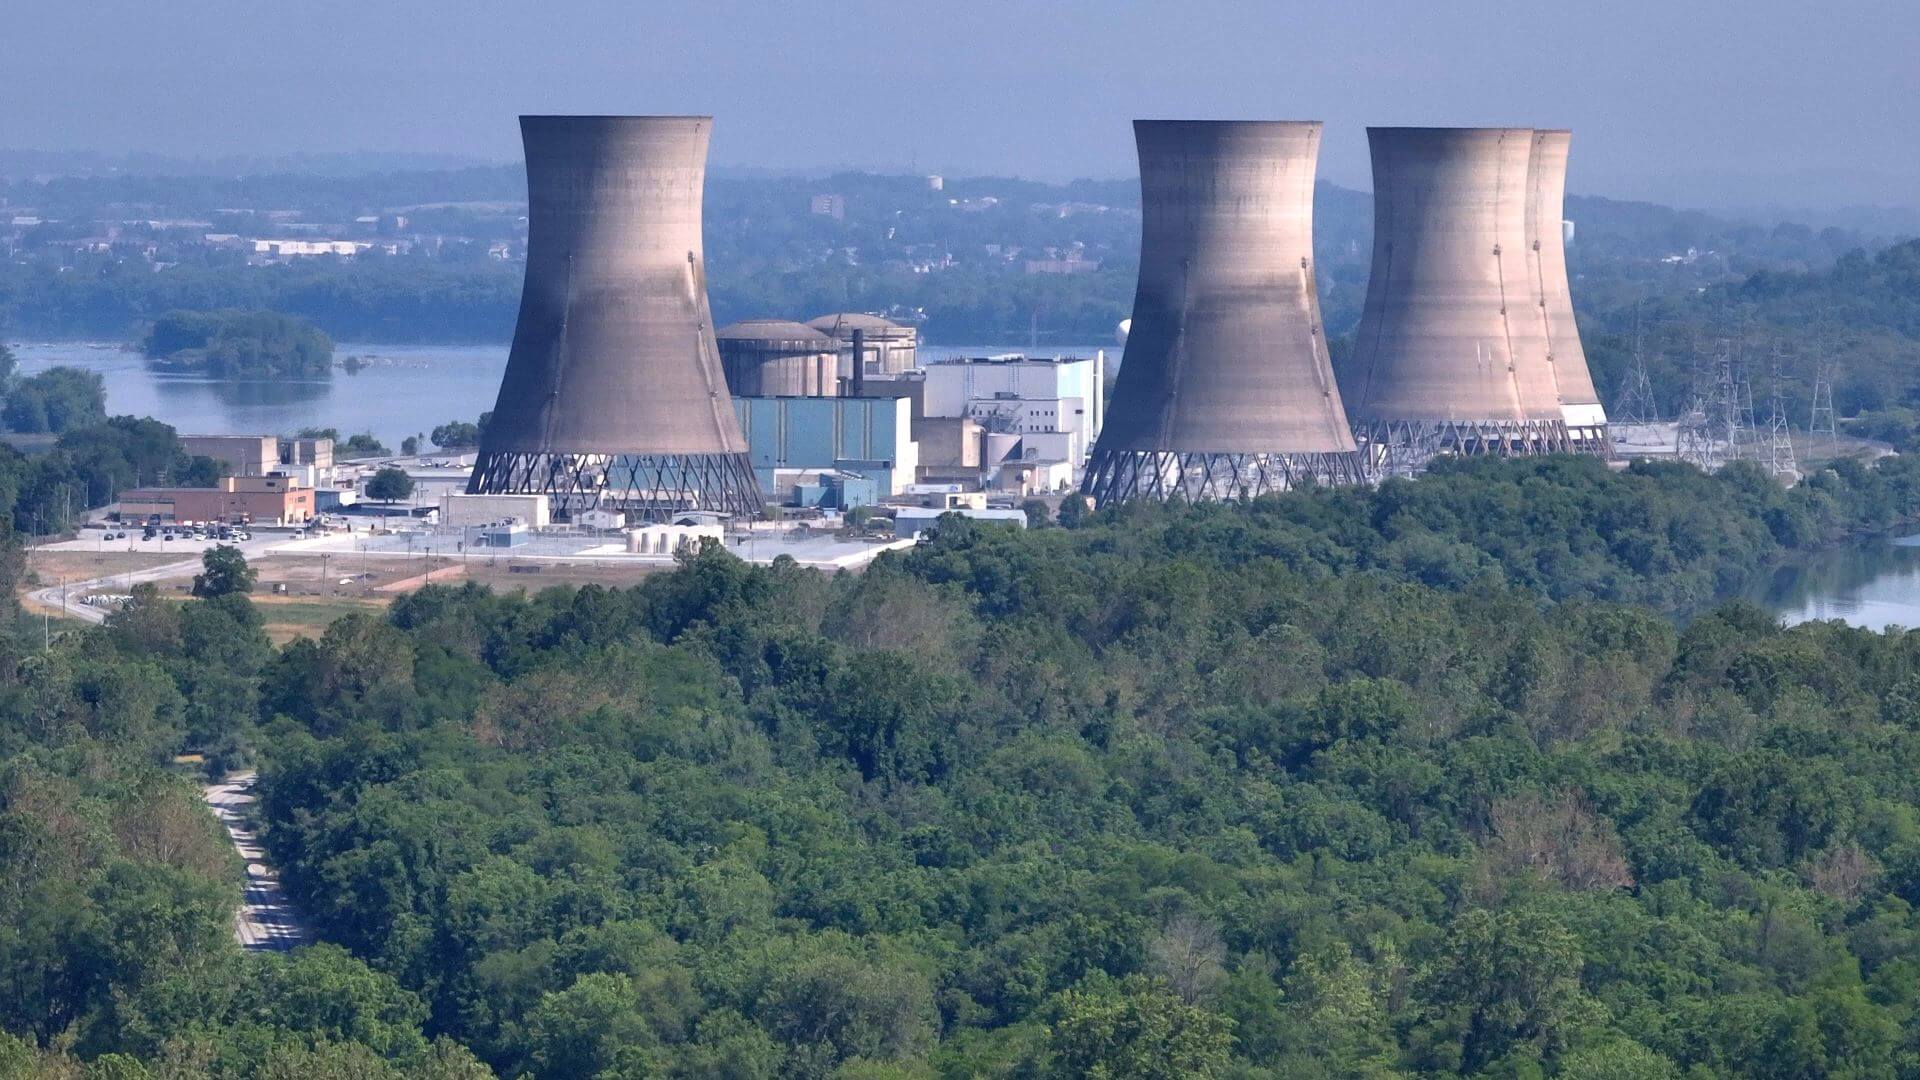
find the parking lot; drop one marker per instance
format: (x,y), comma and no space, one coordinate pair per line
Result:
(131,539)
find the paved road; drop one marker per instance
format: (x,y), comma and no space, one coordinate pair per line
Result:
(265,920)
(66,599)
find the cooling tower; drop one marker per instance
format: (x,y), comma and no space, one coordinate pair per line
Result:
(1225,389)
(1452,352)
(1580,405)
(613,394)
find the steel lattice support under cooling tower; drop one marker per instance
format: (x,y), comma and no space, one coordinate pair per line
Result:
(1404,447)
(648,487)
(1116,476)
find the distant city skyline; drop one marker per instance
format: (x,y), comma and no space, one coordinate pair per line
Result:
(1715,106)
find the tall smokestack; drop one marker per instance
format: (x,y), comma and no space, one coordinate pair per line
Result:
(1580,405)
(859,363)
(1225,389)
(614,394)
(1451,355)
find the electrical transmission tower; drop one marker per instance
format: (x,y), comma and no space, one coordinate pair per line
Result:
(1732,411)
(1696,436)
(1635,404)
(1780,457)
(1821,418)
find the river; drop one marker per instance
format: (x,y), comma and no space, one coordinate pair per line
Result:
(402,390)
(1873,584)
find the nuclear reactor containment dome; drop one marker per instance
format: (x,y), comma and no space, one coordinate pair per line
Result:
(779,358)
(1455,352)
(613,394)
(1225,389)
(890,348)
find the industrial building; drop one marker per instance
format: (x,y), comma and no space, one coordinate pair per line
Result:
(1015,423)
(887,346)
(1466,343)
(260,500)
(914,520)
(457,509)
(310,461)
(614,396)
(1225,388)
(794,440)
(779,358)
(243,455)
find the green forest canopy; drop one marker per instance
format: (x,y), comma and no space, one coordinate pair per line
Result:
(1339,783)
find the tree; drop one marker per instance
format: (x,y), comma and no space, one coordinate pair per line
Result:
(456,434)
(590,1027)
(1037,513)
(1505,978)
(1074,510)
(389,485)
(410,445)
(363,445)
(1135,1029)
(56,400)
(225,571)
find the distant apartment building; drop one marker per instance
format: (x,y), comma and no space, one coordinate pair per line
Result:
(1074,265)
(289,249)
(833,206)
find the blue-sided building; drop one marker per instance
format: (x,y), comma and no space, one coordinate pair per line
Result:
(793,440)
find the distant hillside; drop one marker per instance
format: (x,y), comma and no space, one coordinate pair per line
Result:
(102,253)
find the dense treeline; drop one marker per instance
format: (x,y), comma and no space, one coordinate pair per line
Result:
(117,888)
(1663,535)
(1110,801)
(1339,783)
(1861,315)
(372,299)
(88,467)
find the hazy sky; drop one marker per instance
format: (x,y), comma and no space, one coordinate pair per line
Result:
(1707,104)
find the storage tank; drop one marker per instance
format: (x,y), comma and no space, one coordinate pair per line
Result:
(613,394)
(779,358)
(1225,389)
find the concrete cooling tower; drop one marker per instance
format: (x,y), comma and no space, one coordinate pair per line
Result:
(1466,343)
(1225,389)
(1580,405)
(614,394)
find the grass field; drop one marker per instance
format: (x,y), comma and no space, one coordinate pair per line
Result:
(286,618)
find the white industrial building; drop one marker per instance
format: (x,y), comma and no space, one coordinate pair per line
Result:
(1034,418)
(457,508)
